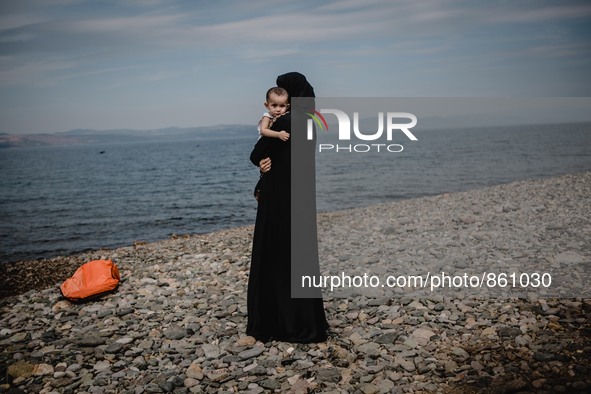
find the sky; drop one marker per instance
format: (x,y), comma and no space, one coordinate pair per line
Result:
(148,64)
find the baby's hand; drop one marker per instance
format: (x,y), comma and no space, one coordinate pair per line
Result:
(283,135)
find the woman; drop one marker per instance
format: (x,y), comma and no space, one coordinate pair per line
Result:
(272,313)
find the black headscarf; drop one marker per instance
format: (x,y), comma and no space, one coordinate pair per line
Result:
(296,85)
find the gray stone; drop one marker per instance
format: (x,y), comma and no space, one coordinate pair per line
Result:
(175,333)
(328,375)
(124,311)
(270,384)
(508,332)
(458,351)
(113,348)
(167,387)
(250,353)
(540,356)
(386,338)
(104,313)
(450,366)
(20,337)
(153,388)
(407,365)
(194,371)
(91,341)
(211,351)
(102,366)
(124,340)
(370,349)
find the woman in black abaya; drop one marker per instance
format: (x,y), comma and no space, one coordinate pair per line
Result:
(272,313)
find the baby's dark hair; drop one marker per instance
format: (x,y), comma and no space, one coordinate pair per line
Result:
(276,90)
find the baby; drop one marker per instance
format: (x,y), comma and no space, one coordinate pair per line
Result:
(277,104)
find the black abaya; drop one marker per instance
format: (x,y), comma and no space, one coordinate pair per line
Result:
(272,313)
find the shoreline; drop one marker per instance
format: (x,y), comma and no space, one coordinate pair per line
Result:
(38,274)
(23,276)
(50,256)
(177,321)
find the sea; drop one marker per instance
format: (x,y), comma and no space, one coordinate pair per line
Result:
(60,200)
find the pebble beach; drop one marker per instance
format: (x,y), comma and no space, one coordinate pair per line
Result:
(177,321)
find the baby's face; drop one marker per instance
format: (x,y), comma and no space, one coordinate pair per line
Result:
(277,105)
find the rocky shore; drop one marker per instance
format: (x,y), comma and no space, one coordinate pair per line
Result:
(176,323)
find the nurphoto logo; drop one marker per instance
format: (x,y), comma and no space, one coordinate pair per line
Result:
(344,131)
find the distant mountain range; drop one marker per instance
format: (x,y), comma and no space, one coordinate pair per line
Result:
(369,125)
(88,136)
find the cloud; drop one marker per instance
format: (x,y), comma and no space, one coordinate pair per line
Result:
(126,48)
(143,24)
(543,14)
(17,37)
(255,38)
(558,51)
(160,75)
(34,71)
(19,20)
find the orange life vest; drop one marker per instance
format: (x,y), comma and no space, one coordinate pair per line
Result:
(91,279)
